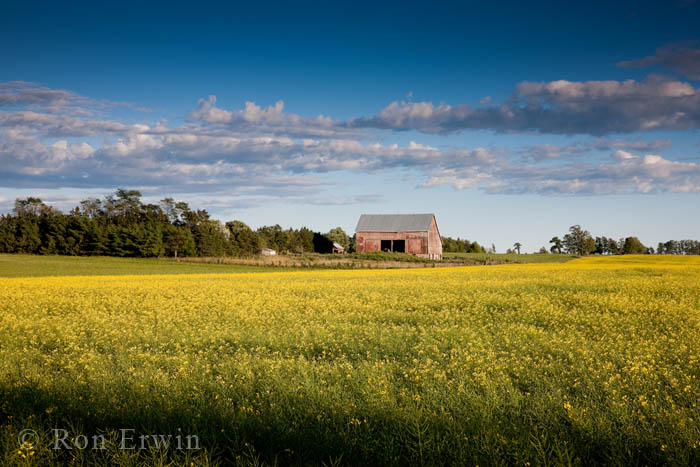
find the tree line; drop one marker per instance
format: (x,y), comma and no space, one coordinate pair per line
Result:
(580,242)
(121,224)
(458,245)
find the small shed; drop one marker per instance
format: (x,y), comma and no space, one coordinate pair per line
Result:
(415,234)
(268,252)
(338,248)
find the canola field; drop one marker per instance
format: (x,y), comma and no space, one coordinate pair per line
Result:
(592,362)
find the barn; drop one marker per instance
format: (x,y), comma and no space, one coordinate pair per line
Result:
(416,234)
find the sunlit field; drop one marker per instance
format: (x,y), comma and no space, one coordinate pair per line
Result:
(512,257)
(39,265)
(594,361)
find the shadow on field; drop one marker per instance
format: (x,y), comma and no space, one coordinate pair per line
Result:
(303,432)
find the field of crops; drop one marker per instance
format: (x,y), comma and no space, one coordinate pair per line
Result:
(594,361)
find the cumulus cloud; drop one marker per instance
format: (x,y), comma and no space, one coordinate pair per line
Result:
(60,125)
(271,119)
(281,164)
(35,96)
(208,112)
(624,173)
(654,145)
(544,152)
(24,93)
(25,154)
(256,154)
(579,149)
(557,107)
(681,58)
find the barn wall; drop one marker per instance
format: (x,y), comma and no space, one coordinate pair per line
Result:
(416,242)
(434,241)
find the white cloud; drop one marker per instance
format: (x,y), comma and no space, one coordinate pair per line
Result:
(623,155)
(260,152)
(62,151)
(561,107)
(208,112)
(35,96)
(628,173)
(654,145)
(267,120)
(571,91)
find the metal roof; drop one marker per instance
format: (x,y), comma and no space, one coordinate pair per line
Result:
(394,222)
(338,246)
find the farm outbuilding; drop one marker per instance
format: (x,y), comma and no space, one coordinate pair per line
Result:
(338,248)
(416,234)
(268,252)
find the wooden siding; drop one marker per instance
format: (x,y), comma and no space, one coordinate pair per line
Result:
(416,242)
(434,241)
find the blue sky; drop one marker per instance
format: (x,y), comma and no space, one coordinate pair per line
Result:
(511,122)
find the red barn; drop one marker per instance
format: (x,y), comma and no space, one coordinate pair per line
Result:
(416,234)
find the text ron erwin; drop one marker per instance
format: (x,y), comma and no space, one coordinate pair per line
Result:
(128,440)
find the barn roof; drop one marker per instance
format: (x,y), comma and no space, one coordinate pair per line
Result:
(394,222)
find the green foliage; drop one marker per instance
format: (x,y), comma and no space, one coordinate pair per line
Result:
(305,240)
(243,239)
(578,241)
(633,246)
(119,226)
(678,247)
(122,225)
(27,239)
(211,238)
(339,236)
(556,245)
(607,246)
(457,245)
(624,246)
(178,242)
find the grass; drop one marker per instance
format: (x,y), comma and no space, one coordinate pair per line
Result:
(17,265)
(512,257)
(390,256)
(14,265)
(591,362)
(377,260)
